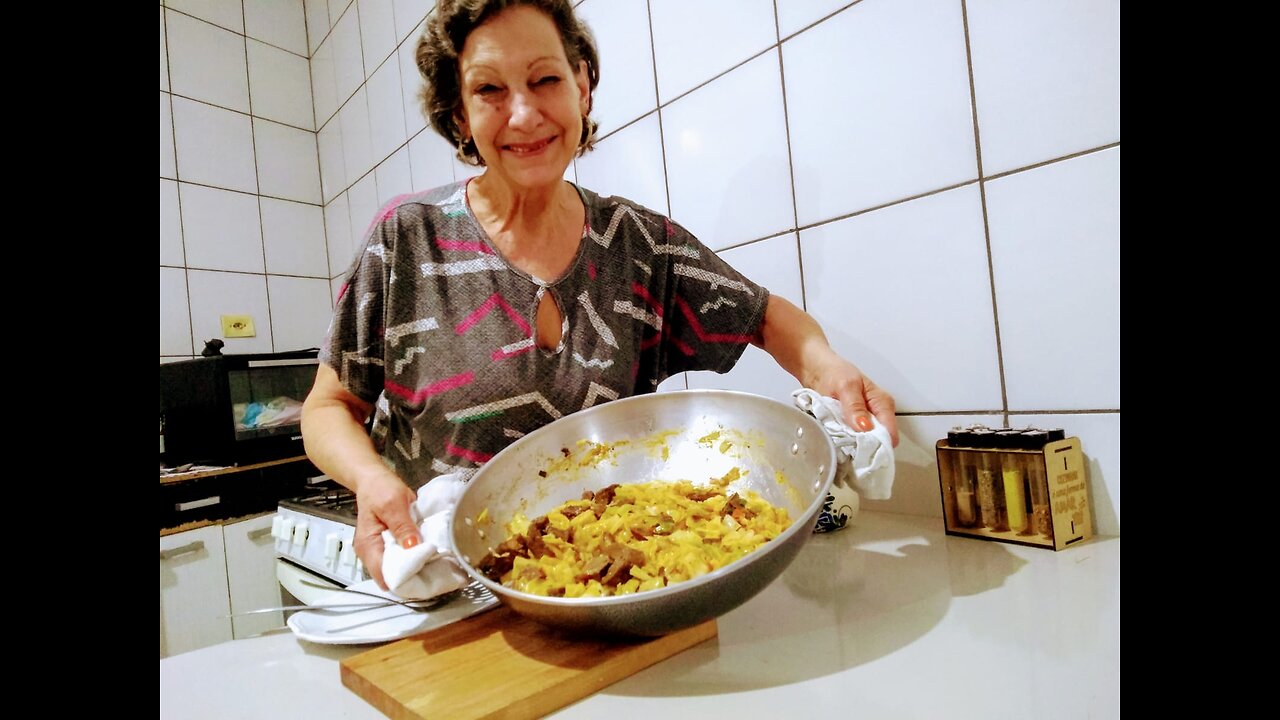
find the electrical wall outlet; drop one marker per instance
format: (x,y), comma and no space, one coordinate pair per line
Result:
(238,326)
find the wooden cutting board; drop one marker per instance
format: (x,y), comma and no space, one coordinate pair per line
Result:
(500,665)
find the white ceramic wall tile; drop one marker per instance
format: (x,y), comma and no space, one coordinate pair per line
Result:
(431,160)
(386,110)
(324,87)
(337,233)
(219,12)
(726,149)
(878,101)
(1046,77)
(282,23)
(794,15)
(221,229)
(357,145)
(164,56)
(280,83)
(693,42)
(170,224)
(629,164)
(1055,248)
(916,490)
(462,171)
(207,63)
(409,14)
(377,32)
(626,90)
(300,312)
(214,294)
(215,146)
(410,86)
(1100,442)
(287,162)
(168,158)
(903,293)
(175,321)
(675,383)
(293,238)
(317,13)
(775,264)
(348,62)
(333,166)
(393,177)
(363,205)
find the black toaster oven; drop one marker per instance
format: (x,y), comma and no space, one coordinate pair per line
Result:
(234,409)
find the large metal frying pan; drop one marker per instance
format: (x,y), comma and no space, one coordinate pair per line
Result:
(694,435)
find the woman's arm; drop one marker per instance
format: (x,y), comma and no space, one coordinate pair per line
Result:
(334,435)
(797,343)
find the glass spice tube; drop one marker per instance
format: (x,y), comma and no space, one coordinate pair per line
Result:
(1014,491)
(991,510)
(966,507)
(1038,486)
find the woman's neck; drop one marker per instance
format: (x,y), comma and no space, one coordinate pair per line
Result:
(525,212)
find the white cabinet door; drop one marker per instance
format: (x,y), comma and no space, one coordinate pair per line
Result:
(251,573)
(193,591)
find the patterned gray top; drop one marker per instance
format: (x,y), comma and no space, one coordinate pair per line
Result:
(436,329)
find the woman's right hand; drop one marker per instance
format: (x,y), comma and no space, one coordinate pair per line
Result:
(383,501)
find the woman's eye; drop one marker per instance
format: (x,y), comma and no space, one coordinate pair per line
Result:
(548,80)
(486,89)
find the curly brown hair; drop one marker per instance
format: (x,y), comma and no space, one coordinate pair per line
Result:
(442,42)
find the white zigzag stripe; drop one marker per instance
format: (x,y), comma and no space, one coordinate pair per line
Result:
(415,446)
(624,307)
(517,345)
(722,300)
(408,357)
(593,362)
(395,333)
(364,301)
(444,468)
(463,267)
(354,357)
(597,390)
(647,270)
(378,249)
(597,322)
(512,433)
(525,399)
(711,278)
(607,239)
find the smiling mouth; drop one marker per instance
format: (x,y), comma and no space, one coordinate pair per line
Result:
(529,148)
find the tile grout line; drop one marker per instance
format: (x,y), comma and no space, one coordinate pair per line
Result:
(244,34)
(982,199)
(324,216)
(177,185)
(662,139)
(791,168)
(257,179)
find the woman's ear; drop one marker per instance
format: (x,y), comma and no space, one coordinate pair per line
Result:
(584,87)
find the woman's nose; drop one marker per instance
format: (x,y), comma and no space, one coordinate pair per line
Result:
(524,111)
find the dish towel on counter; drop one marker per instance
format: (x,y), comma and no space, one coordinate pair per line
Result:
(429,568)
(864,460)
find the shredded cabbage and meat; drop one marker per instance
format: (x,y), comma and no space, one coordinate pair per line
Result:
(631,538)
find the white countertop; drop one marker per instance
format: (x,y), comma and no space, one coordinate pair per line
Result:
(890,618)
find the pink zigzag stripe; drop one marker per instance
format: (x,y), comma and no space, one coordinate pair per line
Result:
(435,388)
(463,245)
(343,291)
(483,310)
(472,455)
(386,211)
(706,336)
(649,300)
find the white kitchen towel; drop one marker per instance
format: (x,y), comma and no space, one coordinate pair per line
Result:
(429,568)
(865,459)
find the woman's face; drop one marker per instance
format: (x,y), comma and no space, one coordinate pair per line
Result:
(521,101)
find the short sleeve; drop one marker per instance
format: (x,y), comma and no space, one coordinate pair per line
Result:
(353,346)
(712,311)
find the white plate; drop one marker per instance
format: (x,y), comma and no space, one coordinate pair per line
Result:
(357,627)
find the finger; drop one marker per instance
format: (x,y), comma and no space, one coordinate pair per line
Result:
(374,567)
(855,411)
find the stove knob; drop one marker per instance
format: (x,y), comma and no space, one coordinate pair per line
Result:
(348,554)
(300,533)
(276,522)
(286,530)
(331,543)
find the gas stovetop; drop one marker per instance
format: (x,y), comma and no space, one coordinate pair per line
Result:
(335,503)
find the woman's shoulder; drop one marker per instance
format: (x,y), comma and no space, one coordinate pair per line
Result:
(448,199)
(611,215)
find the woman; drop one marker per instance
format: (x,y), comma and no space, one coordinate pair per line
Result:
(478,312)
